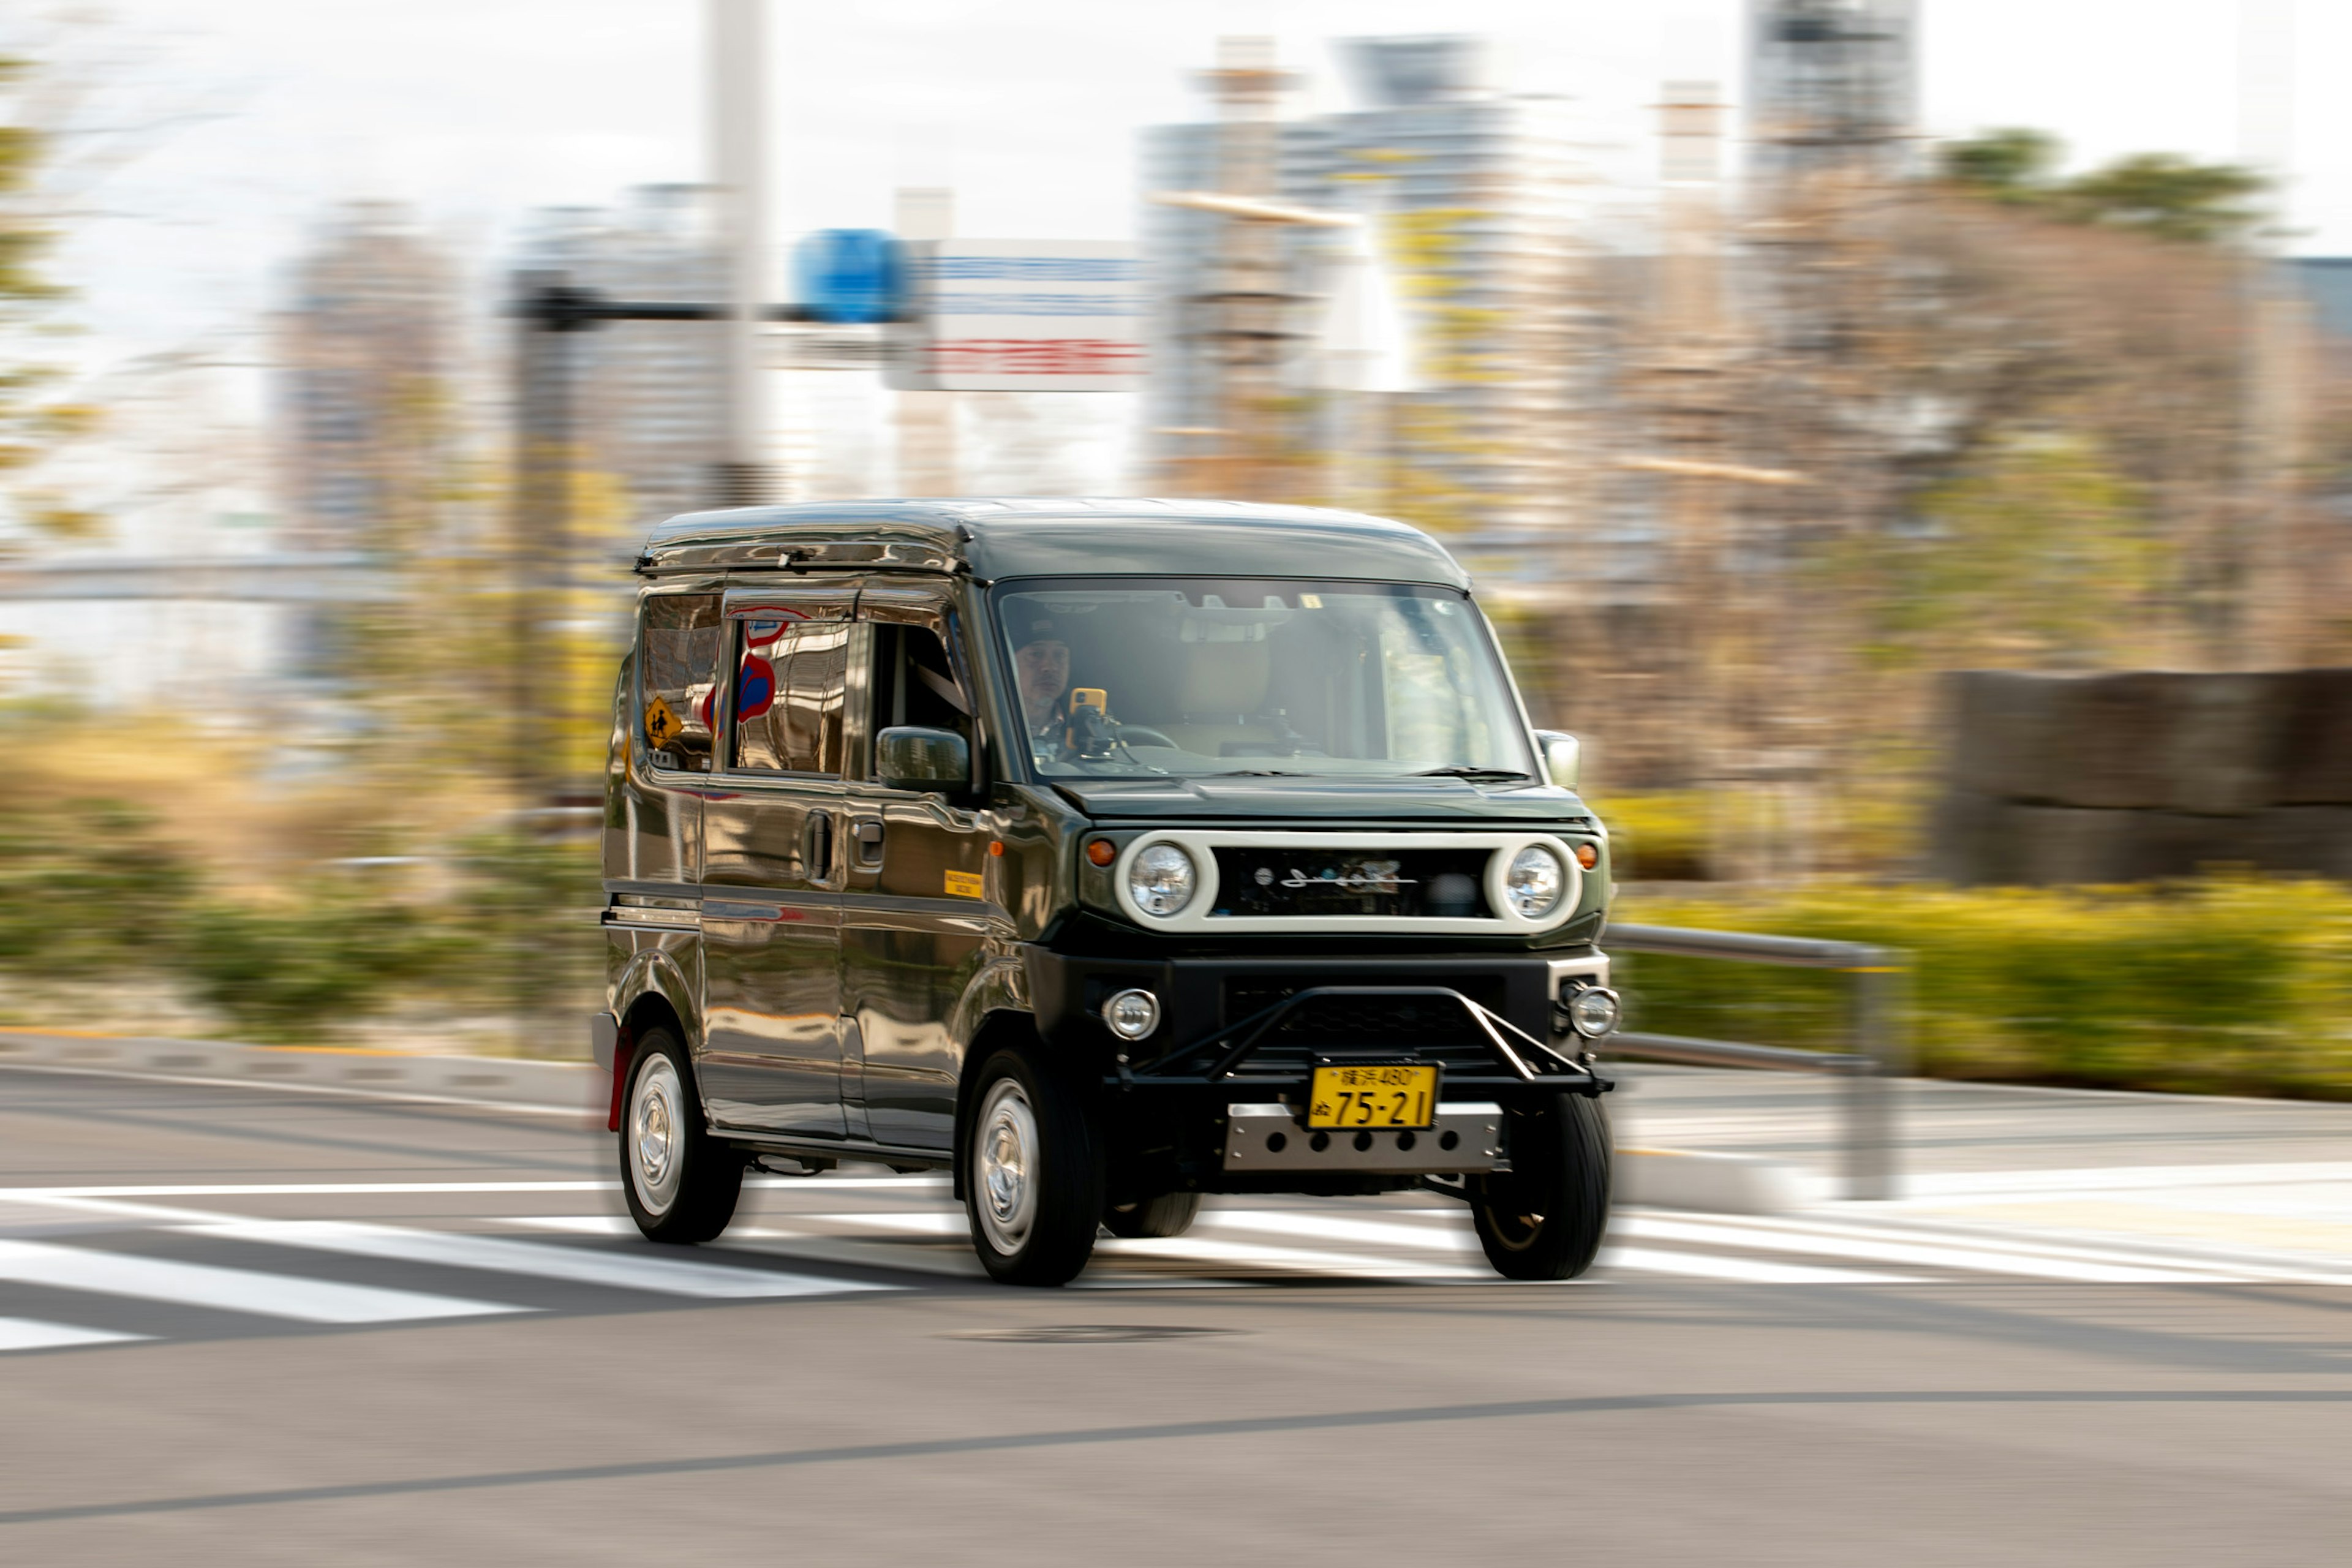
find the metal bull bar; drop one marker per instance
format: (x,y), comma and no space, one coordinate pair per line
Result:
(1879,1055)
(1242,1038)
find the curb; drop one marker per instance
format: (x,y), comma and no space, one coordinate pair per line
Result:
(567,1087)
(1721,1184)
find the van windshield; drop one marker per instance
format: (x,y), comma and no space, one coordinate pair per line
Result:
(1198,677)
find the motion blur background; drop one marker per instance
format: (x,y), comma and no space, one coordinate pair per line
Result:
(1770,363)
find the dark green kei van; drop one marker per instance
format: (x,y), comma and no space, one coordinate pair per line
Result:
(1107,854)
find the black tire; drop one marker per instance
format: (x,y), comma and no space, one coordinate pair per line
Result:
(684,1190)
(1169,1214)
(1543,1219)
(1033,1173)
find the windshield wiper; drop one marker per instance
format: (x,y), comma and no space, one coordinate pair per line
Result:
(1460,772)
(1256,773)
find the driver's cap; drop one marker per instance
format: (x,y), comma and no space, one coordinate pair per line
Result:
(1036,626)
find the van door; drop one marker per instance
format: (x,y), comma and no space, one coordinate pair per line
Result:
(774,863)
(918,908)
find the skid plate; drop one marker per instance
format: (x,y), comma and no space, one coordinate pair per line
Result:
(1269,1138)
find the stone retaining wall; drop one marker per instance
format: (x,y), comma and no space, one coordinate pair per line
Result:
(2147,774)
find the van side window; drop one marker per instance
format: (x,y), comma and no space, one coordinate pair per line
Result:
(680,660)
(915,684)
(791,681)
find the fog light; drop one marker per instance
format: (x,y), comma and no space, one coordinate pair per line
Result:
(1592,1011)
(1131,1015)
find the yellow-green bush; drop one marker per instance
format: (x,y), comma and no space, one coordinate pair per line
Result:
(1657,836)
(2224,985)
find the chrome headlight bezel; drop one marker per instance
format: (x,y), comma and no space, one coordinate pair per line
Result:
(1160,857)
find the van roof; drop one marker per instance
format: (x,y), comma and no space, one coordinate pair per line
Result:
(1053,536)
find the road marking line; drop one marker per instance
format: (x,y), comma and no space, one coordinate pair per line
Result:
(227,1289)
(1462,1241)
(1701,1266)
(578,1266)
(1206,1249)
(303,1189)
(30,1334)
(1925,1255)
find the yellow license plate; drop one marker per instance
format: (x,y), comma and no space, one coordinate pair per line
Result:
(1373,1097)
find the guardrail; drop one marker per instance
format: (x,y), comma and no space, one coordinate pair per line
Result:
(1879,1055)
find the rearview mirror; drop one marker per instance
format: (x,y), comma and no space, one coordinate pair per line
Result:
(911,758)
(1563,756)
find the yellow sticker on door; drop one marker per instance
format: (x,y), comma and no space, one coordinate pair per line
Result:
(966,885)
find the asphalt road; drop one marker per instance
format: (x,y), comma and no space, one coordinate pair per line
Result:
(301,1329)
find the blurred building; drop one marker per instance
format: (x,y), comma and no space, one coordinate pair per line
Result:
(1832,84)
(648,395)
(1468,189)
(367,362)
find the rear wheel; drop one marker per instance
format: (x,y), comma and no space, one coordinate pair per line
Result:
(681,1184)
(1169,1214)
(1543,1218)
(1034,1184)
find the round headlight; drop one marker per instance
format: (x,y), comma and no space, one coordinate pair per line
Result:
(1535,881)
(1161,881)
(1592,1012)
(1132,1015)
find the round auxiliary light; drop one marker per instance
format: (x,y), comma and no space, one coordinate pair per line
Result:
(1161,880)
(1535,881)
(1132,1015)
(1587,856)
(1592,1012)
(1101,852)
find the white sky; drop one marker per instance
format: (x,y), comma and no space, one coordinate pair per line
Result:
(476,110)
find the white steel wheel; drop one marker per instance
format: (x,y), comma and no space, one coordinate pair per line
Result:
(1003,1167)
(655,1130)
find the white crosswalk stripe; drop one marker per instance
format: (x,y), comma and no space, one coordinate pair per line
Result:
(578,1266)
(912,1227)
(287,1295)
(31,1334)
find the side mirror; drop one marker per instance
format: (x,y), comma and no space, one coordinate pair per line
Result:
(911,758)
(1563,756)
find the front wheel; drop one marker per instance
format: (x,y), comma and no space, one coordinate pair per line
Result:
(681,1184)
(1543,1218)
(1034,1181)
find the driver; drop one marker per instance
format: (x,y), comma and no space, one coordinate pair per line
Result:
(1041,657)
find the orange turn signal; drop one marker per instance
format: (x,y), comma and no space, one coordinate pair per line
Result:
(1101,851)
(1587,856)
(997,846)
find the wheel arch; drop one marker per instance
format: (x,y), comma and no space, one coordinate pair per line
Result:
(652,993)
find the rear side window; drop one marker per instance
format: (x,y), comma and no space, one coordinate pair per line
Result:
(680,657)
(791,679)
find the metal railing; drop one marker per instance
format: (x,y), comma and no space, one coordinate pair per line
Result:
(1879,1055)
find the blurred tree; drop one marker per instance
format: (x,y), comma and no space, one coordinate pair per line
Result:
(2040,556)
(2010,164)
(35,414)
(2160,194)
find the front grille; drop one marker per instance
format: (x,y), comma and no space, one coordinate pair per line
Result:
(1434,1029)
(1305,880)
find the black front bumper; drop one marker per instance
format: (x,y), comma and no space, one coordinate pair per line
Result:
(1248,1030)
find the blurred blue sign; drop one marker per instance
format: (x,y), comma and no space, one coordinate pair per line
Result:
(849,275)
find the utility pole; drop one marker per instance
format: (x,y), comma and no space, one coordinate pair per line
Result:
(927,431)
(739,168)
